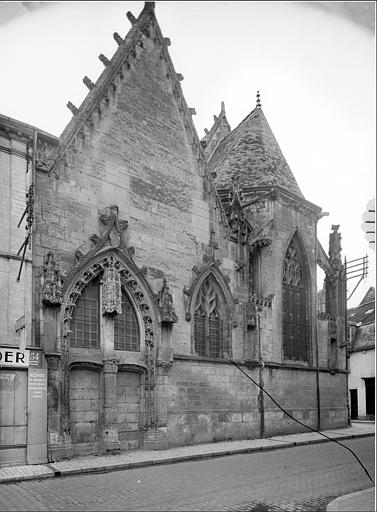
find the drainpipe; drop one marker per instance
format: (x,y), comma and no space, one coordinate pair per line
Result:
(33,340)
(319,216)
(261,383)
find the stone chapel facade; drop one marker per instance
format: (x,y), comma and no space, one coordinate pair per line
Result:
(162,264)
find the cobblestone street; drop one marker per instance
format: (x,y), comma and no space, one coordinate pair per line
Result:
(302,478)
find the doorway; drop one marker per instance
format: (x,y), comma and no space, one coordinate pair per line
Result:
(369,396)
(13,417)
(85,404)
(129,408)
(354,404)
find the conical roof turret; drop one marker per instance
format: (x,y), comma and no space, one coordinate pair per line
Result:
(252,152)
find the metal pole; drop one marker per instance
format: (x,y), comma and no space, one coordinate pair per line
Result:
(345,340)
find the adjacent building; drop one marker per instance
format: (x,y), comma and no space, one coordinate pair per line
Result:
(362,357)
(157,267)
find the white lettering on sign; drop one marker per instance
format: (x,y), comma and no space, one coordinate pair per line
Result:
(37,383)
(14,357)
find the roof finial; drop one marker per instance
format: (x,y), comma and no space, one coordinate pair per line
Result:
(258,100)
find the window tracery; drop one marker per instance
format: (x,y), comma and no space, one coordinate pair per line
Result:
(209,316)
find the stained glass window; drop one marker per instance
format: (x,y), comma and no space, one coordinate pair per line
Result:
(296,327)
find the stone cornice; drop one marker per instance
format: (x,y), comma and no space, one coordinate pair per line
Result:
(275,193)
(12,128)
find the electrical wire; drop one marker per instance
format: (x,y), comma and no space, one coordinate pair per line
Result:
(303,424)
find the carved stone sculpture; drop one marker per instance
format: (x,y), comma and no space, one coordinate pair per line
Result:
(111,290)
(52,286)
(292,271)
(335,247)
(165,303)
(43,157)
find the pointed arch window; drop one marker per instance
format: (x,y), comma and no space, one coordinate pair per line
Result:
(296,326)
(210,320)
(85,324)
(126,328)
(88,316)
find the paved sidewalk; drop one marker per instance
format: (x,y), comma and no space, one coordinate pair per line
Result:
(362,501)
(142,458)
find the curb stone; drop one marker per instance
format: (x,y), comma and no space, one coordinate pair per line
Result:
(53,470)
(363,501)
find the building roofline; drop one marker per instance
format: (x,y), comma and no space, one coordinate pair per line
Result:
(25,129)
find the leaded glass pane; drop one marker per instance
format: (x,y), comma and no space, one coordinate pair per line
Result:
(215,337)
(85,318)
(126,329)
(295,305)
(200,335)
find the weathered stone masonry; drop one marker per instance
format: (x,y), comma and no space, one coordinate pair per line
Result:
(160,259)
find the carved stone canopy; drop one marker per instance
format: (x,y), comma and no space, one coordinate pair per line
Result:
(239,227)
(112,235)
(255,304)
(53,282)
(111,290)
(165,303)
(261,235)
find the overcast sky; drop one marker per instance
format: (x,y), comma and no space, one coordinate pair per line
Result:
(313,62)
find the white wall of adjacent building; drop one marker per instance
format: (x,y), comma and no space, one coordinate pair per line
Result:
(362,366)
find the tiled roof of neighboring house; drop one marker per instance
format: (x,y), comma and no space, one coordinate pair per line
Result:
(364,337)
(363,317)
(364,312)
(252,152)
(369,296)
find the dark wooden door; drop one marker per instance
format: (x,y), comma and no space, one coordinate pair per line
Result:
(354,404)
(369,396)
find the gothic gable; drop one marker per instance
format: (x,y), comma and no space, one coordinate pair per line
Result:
(142,57)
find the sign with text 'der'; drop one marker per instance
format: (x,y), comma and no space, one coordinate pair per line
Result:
(14,357)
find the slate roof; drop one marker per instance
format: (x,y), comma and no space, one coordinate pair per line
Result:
(364,318)
(364,338)
(251,150)
(364,313)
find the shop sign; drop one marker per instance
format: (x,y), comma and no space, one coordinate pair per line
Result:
(14,357)
(35,358)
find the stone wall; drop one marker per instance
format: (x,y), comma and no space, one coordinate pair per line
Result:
(209,402)
(140,153)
